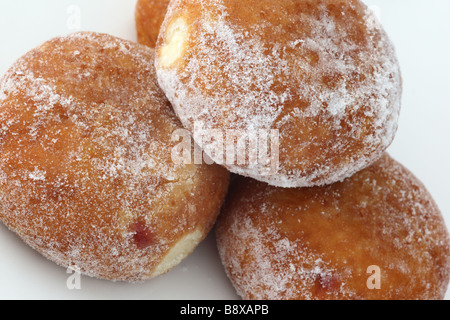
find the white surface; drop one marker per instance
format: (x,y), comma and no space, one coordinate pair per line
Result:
(419,29)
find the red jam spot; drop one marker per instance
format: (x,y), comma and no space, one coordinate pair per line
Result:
(326,285)
(143,235)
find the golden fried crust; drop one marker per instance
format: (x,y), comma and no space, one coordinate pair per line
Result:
(318,243)
(322,72)
(149,16)
(86,176)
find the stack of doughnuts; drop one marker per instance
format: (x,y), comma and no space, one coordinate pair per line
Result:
(338,218)
(297,100)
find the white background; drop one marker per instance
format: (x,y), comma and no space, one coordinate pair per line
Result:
(420,31)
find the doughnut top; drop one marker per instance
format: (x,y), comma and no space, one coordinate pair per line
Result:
(86,176)
(318,243)
(324,73)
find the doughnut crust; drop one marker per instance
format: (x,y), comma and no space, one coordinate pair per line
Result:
(149,16)
(86,176)
(322,242)
(322,73)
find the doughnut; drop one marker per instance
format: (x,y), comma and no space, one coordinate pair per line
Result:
(318,80)
(149,15)
(377,235)
(86,176)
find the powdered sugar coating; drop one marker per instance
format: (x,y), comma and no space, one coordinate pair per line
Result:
(318,243)
(86,176)
(323,73)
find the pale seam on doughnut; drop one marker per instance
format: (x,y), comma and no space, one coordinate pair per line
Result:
(179,251)
(176,37)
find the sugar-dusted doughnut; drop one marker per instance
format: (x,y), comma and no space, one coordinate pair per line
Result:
(376,235)
(149,15)
(321,75)
(86,176)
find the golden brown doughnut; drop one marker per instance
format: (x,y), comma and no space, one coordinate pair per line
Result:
(326,242)
(322,72)
(86,176)
(149,15)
